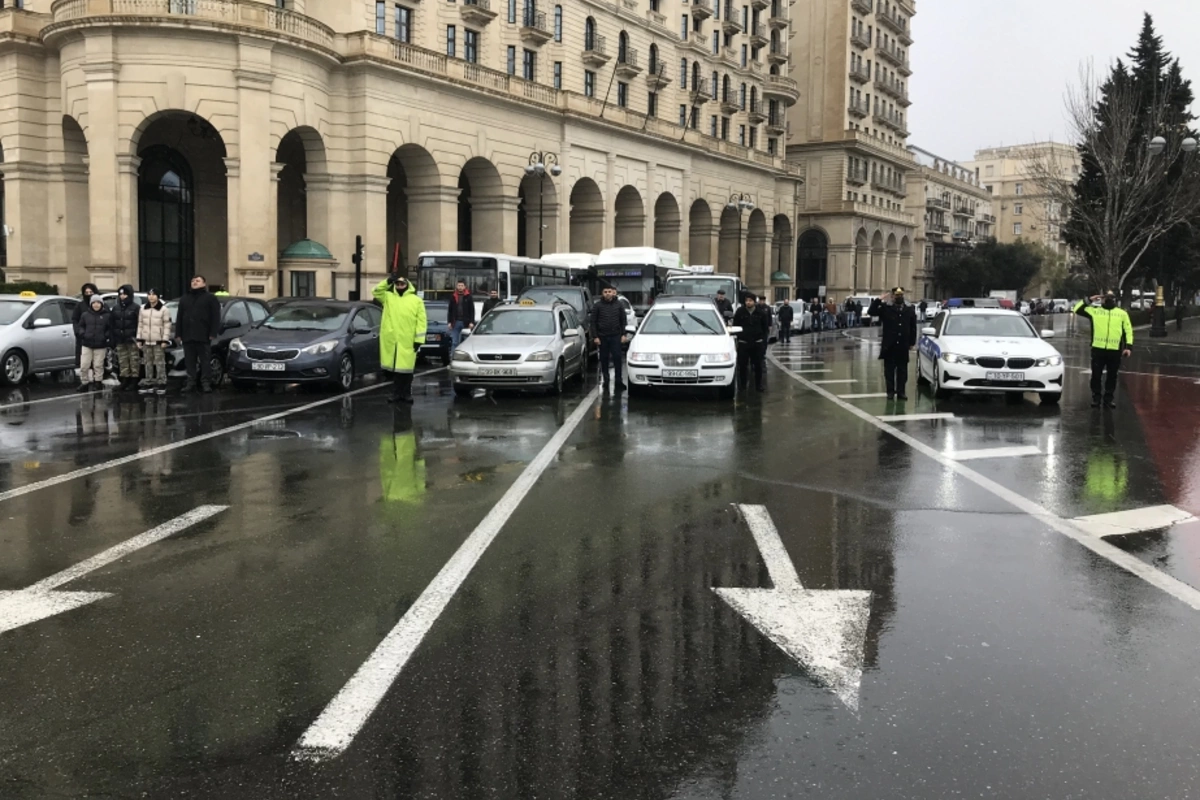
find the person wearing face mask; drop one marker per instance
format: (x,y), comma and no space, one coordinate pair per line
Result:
(1112,338)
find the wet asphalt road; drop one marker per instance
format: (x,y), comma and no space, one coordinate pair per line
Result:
(586,655)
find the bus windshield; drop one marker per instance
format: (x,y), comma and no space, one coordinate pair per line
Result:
(438,275)
(702,287)
(633,281)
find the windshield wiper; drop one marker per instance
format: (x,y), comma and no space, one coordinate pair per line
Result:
(706,326)
(678,324)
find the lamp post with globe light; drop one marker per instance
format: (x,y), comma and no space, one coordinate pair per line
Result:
(539,164)
(739,202)
(1158,315)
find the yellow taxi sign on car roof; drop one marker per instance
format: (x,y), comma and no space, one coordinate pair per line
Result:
(527,302)
(28,293)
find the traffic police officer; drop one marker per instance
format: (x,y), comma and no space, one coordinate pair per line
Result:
(898,337)
(1112,336)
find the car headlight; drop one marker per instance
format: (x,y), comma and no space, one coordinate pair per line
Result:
(718,358)
(1051,361)
(461,355)
(643,358)
(540,355)
(433,337)
(951,358)
(320,348)
(237,346)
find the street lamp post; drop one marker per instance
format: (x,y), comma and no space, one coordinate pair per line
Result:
(740,201)
(1158,315)
(540,164)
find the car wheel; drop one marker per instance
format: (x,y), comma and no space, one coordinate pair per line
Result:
(1050,398)
(559,379)
(921,379)
(15,368)
(218,370)
(345,376)
(727,392)
(462,390)
(938,391)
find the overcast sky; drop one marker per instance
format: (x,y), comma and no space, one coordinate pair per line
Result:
(994,73)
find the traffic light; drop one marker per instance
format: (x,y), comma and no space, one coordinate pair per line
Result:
(357,260)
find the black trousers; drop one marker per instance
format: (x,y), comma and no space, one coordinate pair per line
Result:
(610,349)
(197,357)
(402,385)
(750,355)
(1105,360)
(785,332)
(895,369)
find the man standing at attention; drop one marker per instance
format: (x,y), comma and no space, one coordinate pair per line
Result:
(898,337)
(401,334)
(461,314)
(197,326)
(608,328)
(1112,336)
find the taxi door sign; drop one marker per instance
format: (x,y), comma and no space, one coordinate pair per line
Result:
(527,302)
(28,293)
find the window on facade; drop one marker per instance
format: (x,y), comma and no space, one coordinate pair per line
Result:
(529,65)
(450,40)
(742,135)
(716,86)
(589,83)
(652,104)
(742,97)
(381,18)
(558,23)
(304,284)
(716,40)
(653,67)
(1016,229)
(589,34)
(471,45)
(745,56)
(753,136)
(558,75)
(772,146)
(745,17)
(712,127)
(725,128)
(654,5)
(683,27)
(682,115)
(682,74)
(622,47)
(1020,189)
(403,23)
(1019,209)
(622,94)
(512,10)
(511,61)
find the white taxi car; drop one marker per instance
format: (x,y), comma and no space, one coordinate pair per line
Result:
(988,350)
(682,344)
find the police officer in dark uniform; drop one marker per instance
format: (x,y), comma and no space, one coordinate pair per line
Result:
(898,337)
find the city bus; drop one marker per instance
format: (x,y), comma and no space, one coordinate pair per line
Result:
(439,272)
(637,273)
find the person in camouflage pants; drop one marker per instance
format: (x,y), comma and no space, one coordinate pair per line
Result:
(154,337)
(125,315)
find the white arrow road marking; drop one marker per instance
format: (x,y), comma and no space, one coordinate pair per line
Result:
(824,631)
(995,452)
(40,600)
(1135,520)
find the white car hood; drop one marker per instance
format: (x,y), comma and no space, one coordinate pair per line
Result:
(679,343)
(507,344)
(997,346)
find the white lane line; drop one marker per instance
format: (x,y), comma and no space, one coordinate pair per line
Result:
(1147,374)
(153,451)
(55,399)
(917,417)
(774,554)
(995,452)
(866,396)
(812,371)
(1176,588)
(836,380)
(334,730)
(1136,520)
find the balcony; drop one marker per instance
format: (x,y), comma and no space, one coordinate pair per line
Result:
(936,202)
(534,31)
(963,211)
(862,6)
(990,219)
(785,88)
(731,24)
(700,96)
(857,109)
(776,126)
(961,236)
(777,55)
(730,104)
(889,119)
(755,113)
(892,21)
(702,9)
(777,21)
(760,5)
(657,19)
(884,185)
(758,35)
(856,177)
(656,80)
(627,64)
(859,75)
(699,42)
(859,40)
(595,52)
(729,58)
(893,56)
(937,227)
(476,12)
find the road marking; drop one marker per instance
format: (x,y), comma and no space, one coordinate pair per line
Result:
(56,398)
(812,371)
(995,452)
(334,730)
(823,630)
(1186,594)
(141,454)
(916,417)
(836,380)
(1146,374)
(40,600)
(860,396)
(1136,520)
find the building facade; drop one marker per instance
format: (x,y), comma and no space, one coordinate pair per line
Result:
(145,140)
(953,212)
(850,61)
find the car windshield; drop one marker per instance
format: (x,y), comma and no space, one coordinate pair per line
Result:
(545,296)
(436,312)
(988,325)
(687,321)
(306,317)
(11,310)
(700,286)
(516,323)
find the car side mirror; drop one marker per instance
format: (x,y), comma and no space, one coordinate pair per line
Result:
(230,324)
(360,331)
(1047,334)
(42,322)
(735,329)
(630,329)
(570,332)
(929,331)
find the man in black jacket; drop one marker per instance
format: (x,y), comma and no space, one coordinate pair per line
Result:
(786,315)
(125,315)
(608,331)
(460,316)
(85,301)
(492,301)
(724,305)
(751,342)
(898,337)
(197,326)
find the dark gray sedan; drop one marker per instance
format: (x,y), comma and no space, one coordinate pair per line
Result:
(310,341)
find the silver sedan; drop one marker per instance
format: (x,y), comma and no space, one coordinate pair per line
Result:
(521,347)
(36,335)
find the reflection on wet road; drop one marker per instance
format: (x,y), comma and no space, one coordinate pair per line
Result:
(584,652)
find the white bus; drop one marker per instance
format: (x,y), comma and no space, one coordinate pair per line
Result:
(439,272)
(637,273)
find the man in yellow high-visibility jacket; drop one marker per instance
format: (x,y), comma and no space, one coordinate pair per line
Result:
(1112,336)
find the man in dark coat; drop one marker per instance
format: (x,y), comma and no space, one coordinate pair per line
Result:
(898,337)
(492,301)
(197,326)
(125,315)
(786,315)
(724,305)
(751,342)
(608,332)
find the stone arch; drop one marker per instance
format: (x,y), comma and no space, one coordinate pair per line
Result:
(667,222)
(729,251)
(183,206)
(414,199)
(812,263)
(76,213)
(302,198)
(700,230)
(756,248)
(480,207)
(630,220)
(587,217)
(537,215)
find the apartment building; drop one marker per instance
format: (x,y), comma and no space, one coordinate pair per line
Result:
(145,140)
(953,212)
(850,61)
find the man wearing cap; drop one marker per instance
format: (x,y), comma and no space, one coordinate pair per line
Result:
(1112,336)
(724,304)
(898,337)
(401,335)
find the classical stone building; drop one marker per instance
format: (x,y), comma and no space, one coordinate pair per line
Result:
(144,140)
(953,213)
(850,60)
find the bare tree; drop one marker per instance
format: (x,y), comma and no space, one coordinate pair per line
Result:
(1142,200)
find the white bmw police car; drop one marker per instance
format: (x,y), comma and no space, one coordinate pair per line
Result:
(988,350)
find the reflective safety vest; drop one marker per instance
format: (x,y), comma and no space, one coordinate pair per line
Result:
(1110,327)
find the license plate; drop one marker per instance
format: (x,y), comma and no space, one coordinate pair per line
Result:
(1006,376)
(680,373)
(498,371)
(268,366)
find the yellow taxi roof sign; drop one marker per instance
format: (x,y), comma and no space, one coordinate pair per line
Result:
(28,293)
(527,302)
